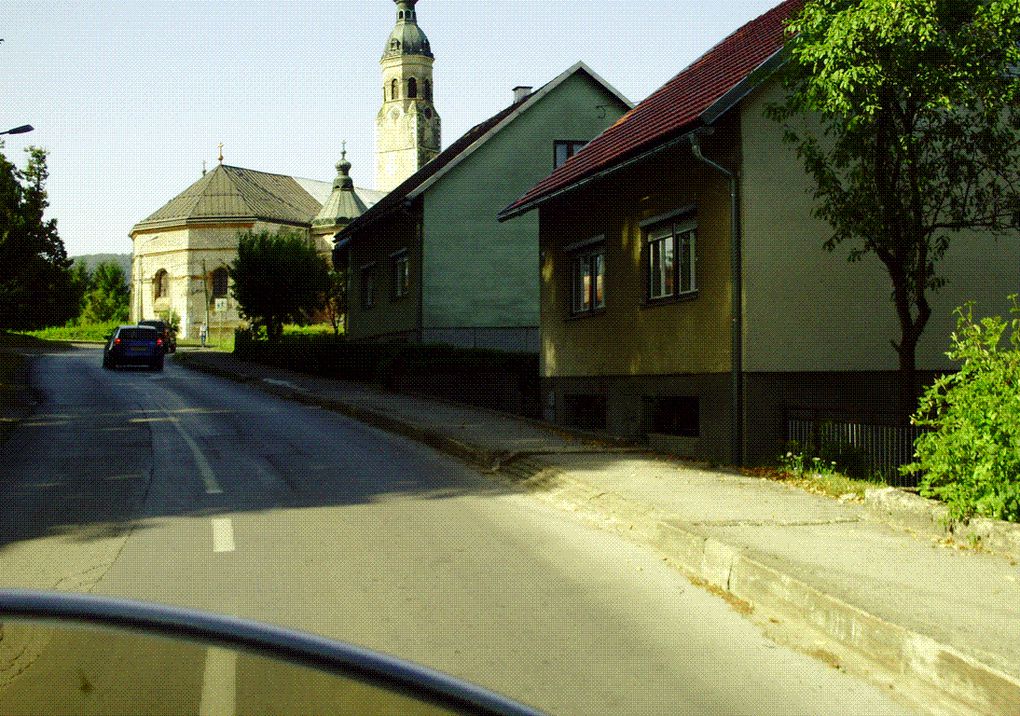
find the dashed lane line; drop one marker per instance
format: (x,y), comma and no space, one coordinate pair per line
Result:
(219,683)
(223,534)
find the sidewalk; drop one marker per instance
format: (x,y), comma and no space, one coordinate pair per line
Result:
(939,623)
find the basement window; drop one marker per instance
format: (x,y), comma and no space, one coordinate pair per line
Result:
(674,415)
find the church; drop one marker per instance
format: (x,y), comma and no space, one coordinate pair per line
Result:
(182,250)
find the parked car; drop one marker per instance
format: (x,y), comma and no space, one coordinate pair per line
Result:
(134,345)
(166,332)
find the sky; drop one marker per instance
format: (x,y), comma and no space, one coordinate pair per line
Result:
(130,98)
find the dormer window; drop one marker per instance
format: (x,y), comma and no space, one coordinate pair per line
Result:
(412,88)
(394,44)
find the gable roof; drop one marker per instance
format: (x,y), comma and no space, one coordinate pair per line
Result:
(467,144)
(230,193)
(699,95)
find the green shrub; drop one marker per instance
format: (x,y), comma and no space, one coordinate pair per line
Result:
(971,457)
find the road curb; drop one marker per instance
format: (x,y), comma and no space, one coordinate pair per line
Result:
(920,664)
(932,518)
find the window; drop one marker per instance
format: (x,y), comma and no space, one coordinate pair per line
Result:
(412,88)
(161,284)
(219,283)
(672,260)
(401,274)
(368,286)
(588,274)
(674,415)
(587,412)
(394,91)
(426,89)
(564,150)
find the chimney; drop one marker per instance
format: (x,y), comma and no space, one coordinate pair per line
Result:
(520,92)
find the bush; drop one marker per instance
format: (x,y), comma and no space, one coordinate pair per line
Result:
(971,457)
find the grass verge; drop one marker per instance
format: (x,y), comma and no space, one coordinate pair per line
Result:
(829,484)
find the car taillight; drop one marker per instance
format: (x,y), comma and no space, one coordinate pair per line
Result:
(159,341)
(116,341)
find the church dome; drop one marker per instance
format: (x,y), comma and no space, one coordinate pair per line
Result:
(407,38)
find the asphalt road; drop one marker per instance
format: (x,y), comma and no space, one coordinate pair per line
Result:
(181,488)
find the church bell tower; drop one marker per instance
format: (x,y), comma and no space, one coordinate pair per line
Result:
(407,126)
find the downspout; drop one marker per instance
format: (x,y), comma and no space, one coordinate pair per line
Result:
(736,301)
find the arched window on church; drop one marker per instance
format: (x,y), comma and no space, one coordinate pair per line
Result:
(161,284)
(412,88)
(426,90)
(394,91)
(219,283)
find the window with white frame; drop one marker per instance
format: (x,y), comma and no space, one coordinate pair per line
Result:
(588,277)
(672,260)
(401,274)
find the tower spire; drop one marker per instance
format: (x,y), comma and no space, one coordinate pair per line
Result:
(407,126)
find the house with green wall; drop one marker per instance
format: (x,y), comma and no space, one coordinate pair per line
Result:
(686,297)
(430,262)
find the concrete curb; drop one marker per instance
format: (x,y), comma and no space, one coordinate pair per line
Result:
(932,671)
(932,518)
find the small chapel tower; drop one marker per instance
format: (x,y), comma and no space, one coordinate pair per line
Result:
(407,127)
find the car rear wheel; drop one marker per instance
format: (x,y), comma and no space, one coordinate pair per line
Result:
(107,363)
(158,365)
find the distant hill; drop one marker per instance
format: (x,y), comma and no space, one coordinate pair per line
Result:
(93,260)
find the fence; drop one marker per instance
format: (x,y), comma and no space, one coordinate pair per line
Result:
(881,448)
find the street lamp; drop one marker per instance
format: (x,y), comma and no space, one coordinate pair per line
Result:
(19,130)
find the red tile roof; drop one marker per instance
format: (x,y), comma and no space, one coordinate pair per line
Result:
(676,107)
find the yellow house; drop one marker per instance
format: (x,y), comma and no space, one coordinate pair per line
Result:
(686,297)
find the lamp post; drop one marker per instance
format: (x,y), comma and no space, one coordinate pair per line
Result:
(19,130)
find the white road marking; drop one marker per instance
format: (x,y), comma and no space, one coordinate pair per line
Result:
(222,534)
(208,477)
(283,383)
(219,693)
(129,476)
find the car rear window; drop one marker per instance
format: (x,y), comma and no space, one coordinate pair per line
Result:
(137,334)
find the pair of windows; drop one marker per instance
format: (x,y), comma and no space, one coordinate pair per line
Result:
(671,260)
(670,266)
(412,89)
(401,266)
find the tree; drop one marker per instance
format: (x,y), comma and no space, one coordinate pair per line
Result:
(277,279)
(107,296)
(35,280)
(911,132)
(335,299)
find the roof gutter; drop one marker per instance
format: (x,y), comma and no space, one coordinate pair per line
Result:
(658,149)
(736,303)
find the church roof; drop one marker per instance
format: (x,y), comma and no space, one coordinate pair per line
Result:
(700,94)
(230,193)
(344,202)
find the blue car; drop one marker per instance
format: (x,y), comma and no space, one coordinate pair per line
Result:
(134,345)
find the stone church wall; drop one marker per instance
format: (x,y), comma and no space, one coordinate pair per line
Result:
(189,255)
